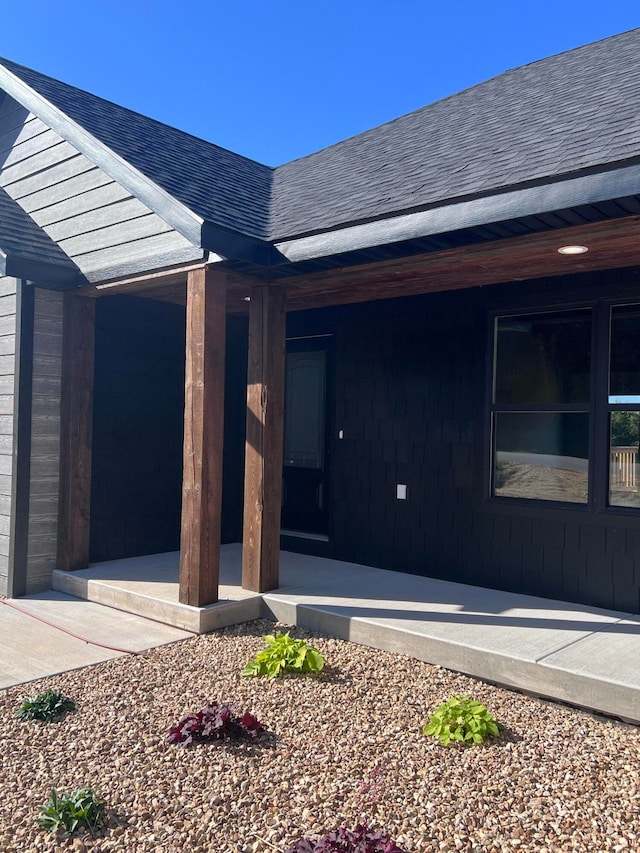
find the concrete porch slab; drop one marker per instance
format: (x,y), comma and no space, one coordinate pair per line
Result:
(581,655)
(148,587)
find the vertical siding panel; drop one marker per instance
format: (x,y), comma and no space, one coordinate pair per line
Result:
(411,382)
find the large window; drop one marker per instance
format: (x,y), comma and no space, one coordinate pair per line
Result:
(565,407)
(541,406)
(624,407)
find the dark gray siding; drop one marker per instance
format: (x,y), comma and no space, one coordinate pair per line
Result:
(8,288)
(98,224)
(138,413)
(138,423)
(410,395)
(45,439)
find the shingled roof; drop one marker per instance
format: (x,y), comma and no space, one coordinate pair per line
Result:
(573,115)
(217,185)
(573,112)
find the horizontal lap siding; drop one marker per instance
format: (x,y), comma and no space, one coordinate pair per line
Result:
(107,232)
(7,375)
(100,225)
(45,439)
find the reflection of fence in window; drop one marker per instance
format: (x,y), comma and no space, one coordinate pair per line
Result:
(623,467)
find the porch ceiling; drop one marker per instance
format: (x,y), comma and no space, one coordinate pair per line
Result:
(612,244)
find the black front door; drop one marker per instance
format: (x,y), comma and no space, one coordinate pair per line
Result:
(305,492)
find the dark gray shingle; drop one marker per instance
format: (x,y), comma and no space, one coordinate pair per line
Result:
(565,114)
(216,184)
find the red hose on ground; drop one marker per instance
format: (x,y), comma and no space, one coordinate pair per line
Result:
(66,631)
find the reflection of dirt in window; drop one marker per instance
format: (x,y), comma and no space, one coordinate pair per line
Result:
(540,482)
(624,497)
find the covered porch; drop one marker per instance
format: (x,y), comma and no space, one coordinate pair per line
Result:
(210,294)
(204,292)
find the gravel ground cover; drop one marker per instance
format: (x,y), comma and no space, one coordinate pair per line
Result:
(341,747)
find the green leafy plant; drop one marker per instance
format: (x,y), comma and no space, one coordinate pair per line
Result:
(45,706)
(461,720)
(68,813)
(284,654)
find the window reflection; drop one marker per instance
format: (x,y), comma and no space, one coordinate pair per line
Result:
(543,359)
(623,465)
(542,455)
(624,383)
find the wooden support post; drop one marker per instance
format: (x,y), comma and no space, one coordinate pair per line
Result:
(203,438)
(265,431)
(76,430)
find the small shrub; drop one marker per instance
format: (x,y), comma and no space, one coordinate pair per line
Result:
(373,790)
(363,839)
(67,814)
(284,654)
(217,721)
(45,706)
(461,720)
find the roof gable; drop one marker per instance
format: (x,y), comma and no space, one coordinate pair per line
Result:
(27,252)
(199,182)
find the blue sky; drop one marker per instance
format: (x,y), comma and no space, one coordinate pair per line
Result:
(274,79)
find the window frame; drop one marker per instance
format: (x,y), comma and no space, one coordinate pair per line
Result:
(494,408)
(600,408)
(615,407)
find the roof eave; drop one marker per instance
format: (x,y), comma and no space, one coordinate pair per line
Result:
(237,246)
(488,209)
(41,273)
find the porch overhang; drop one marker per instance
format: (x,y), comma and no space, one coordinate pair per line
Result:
(611,244)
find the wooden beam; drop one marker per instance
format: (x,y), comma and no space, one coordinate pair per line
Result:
(265,431)
(76,432)
(203,438)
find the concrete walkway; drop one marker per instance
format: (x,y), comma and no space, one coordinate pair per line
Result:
(581,655)
(30,649)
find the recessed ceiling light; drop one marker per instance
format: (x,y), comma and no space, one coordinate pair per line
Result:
(573,250)
(247,298)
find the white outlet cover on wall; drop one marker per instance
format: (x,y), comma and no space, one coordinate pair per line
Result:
(401,492)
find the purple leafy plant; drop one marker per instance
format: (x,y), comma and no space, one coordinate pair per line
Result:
(218,721)
(372,790)
(363,839)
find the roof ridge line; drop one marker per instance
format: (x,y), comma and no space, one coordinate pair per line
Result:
(4,62)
